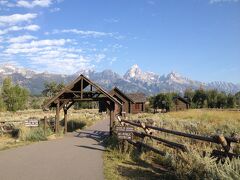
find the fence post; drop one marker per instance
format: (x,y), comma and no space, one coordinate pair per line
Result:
(45,124)
(226,146)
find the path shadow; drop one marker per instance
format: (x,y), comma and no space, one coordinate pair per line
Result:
(93,134)
(92,148)
(98,136)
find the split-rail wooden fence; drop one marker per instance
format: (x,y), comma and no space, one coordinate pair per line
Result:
(9,126)
(223,141)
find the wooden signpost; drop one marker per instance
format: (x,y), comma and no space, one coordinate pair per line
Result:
(31,123)
(124,132)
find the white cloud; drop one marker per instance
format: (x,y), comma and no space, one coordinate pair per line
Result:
(21,39)
(222,1)
(62,65)
(19,47)
(16,18)
(31,27)
(34,3)
(83,33)
(54,55)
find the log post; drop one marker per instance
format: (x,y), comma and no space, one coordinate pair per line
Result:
(226,146)
(112,115)
(57,118)
(81,88)
(65,121)
(45,124)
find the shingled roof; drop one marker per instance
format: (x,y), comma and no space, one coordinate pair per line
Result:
(115,89)
(137,97)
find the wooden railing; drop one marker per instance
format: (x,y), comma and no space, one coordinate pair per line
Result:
(224,141)
(9,126)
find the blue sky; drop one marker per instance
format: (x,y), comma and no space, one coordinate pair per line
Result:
(197,38)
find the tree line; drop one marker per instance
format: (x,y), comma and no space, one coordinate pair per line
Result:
(13,97)
(199,98)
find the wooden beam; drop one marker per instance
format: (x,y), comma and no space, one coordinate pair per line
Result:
(165,142)
(85,99)
(82,88)
(64,103)
(57,118)
(70,105)
(65,121)
(112,117)
(45,124)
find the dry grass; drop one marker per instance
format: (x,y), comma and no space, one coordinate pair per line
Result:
(193,165)
(84,117)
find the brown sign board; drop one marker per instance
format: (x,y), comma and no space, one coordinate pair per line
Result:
(124,132)
(125,128)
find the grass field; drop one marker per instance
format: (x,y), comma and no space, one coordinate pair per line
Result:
(78,118)
(176,165)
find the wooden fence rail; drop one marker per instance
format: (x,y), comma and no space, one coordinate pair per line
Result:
(9,126)
(224,141)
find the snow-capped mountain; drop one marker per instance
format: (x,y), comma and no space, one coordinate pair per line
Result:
(136,74)
(8,69)
(134,80)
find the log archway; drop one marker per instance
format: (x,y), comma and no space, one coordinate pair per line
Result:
(81,89)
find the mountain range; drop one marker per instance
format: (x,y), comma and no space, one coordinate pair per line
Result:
(134,80)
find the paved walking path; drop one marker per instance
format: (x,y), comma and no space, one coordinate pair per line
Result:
(78,156)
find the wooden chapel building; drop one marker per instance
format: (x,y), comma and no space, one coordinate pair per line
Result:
(131,103)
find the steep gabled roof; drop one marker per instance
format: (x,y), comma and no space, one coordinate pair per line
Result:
(137,97)
(121,93)
(75,85)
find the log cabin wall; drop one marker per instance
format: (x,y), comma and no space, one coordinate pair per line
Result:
(137,107)
(180,104)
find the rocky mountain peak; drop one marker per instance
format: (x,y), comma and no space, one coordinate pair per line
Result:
(135,80)
(133,72)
